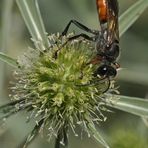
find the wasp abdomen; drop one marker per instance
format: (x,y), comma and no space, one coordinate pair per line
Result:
(102,10)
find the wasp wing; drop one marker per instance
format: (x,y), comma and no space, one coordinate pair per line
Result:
(108,16)
(112,23)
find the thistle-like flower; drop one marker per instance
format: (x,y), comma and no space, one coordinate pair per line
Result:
(59,93)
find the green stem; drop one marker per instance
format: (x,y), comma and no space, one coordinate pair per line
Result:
(31,14)
(5,35)
(133,105)
(127,19)
(62,137)
(12,62)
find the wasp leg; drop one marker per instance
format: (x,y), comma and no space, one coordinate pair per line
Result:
(79,25)
(108,86)
(104,79)
(93,38)
(93,83)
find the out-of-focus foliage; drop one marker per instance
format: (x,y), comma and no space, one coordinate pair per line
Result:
(127,138)
(128,134)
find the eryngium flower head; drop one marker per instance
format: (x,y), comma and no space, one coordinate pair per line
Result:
(59,93)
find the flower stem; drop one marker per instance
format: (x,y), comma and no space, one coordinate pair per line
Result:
(62,138)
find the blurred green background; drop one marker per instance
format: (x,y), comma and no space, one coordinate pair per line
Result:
(121,130)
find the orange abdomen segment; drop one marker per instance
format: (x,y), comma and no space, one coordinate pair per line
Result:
(102,10)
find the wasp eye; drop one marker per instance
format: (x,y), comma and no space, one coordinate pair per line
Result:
(105,71)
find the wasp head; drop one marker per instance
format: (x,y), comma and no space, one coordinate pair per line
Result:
(106,71)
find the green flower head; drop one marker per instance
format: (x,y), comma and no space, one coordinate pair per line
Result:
(59,93)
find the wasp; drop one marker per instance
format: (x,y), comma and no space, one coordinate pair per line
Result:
(106,40)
